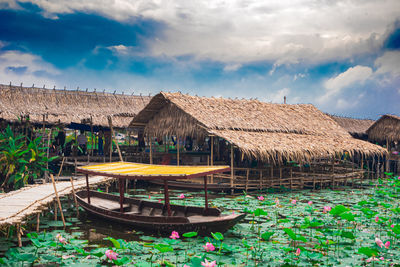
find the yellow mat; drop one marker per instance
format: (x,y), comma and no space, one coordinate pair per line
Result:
(119,169)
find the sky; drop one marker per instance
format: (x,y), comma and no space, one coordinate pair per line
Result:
(341,56)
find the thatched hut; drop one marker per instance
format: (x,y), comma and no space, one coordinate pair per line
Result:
(53,106)
(356,127)
(270,133)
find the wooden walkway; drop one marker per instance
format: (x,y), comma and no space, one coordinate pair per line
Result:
(30,200)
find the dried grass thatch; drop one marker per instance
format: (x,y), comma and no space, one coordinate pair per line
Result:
(262,130)
(356,127)
(386,128)
(64,106)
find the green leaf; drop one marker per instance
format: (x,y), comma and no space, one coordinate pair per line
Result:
(260,212)
(347,234)
(114,241)
(217,236)
(369,252)
(339,209)
(163,248)
(122,261)
(347,216)
(290,233)
(190,234)
(267,235)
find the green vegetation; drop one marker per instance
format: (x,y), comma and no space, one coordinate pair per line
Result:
(351,227)
(21,159)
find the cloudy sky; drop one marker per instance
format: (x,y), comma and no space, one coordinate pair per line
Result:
(341,56)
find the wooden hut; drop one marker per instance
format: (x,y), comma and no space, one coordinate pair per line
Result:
(355,127)
(386,132)
(283,139)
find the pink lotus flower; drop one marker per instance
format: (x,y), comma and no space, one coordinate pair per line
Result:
(174,235)
(392,226)
(111,254)
(387,244)
(61,239)
(379,242)
(261,198)
(309,202)
(64,257)
(376,219)
(207,263)
(181,196)
(375,259)
(209,247)
(298,251)
(327,209)
(294,201)
(149,197)
(186,265)
(276,201)
(159,201)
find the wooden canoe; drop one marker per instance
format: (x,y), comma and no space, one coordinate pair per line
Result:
(152,216)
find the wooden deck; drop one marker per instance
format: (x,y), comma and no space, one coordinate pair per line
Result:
(15,206)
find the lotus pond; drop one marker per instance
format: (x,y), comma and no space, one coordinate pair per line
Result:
(346,227)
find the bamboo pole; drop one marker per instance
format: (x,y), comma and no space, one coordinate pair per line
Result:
(261,179)
(212,157)
(113,137)
(73,193)
(58,199)
(55,210)
(47,154)
(151,149)
(37,221)
(177,151)
(19,234)
(91,137)
(247,179)
(59,172)
(232,171)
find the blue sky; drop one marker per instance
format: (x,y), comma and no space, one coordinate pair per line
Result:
(341,56)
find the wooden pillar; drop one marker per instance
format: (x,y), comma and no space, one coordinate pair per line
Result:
(272,175)
(280,175)
(177,150)
(74,196)
(212,157)
(232,171)
(151,149)
(261,179)
(55,210)
(205,193)
(166,197)
(121,194)
(37,222)
(116,142)
(91,137)
(46,177)
(291,178)
(247,180)
(88,188)
(19,234)
(58,199)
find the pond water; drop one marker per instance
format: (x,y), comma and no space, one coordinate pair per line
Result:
(346,227)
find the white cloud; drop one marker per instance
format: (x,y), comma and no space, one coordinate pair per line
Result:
(333,86)
(18,67)
(388,63)
(278,96)
(232,67)
(283,31)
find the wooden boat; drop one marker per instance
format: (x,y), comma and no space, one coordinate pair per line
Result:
(152,216)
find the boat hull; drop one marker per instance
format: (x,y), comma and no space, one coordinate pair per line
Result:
(153,216)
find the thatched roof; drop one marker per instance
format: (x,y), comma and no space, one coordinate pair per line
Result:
(356,127)
(386,128)
(64,106)
(263,130)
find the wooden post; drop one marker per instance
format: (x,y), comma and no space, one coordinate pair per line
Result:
(212,157)
(55,210)
(73,193)
(166,197)
(151,149)
(59,172)
(58,199)
(113,137)
(205,193)
(48,151)
(272,175)
(87,188)
(121,194)
(291,178)
(37,221)
(19,234)
(232,171)
(261,179)
(247,180)
(280,175)
(177,150)
(91,136)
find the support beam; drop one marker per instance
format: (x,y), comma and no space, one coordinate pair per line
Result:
(166,197)
(116,142)
(212,157)
(205,193)
(87,188)
(58,199)
(177,151)
(232,171)
(121,183)
(151,149)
